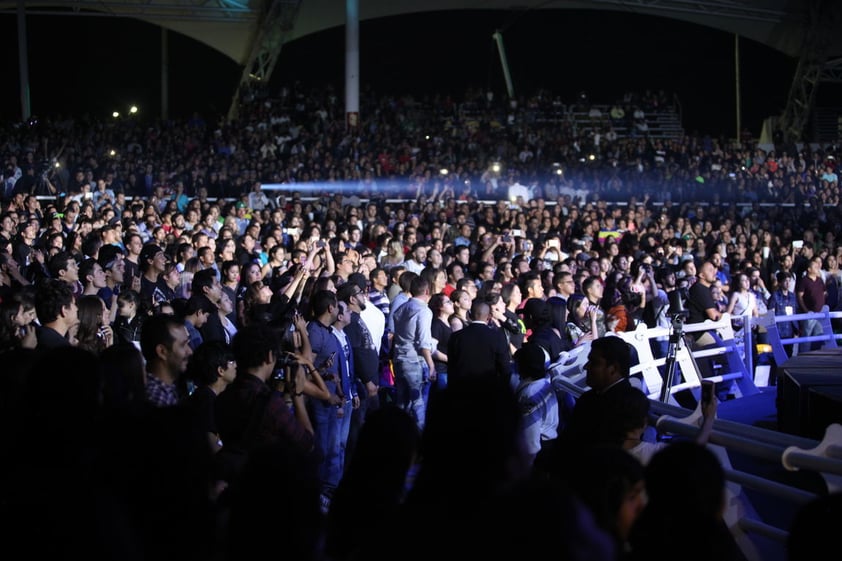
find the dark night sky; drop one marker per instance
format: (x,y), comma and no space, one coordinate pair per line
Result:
(81,65)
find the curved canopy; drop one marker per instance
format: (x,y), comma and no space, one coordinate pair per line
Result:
(229,26)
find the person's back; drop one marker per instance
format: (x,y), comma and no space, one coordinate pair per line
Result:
(478,350)
(592,420)
(683,518)
(469,457)
(374,484)
(813,532)
(249,413)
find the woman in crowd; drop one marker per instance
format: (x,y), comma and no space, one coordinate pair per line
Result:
(436,277)
(743,302)
(460,317)
(129,320)
(225,311)
(719,298)
(168,282)
(17,321)
(229,274)
(395,254)
(249,275)
(256,302)
(581,320)
(276,264)
(93,332)
(440,330)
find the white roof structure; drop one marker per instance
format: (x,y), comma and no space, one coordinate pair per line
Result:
(230,26)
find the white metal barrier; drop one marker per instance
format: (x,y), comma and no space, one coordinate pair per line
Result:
(687,375)
(769,321)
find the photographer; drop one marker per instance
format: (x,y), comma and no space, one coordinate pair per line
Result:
(249,413)
(298,355)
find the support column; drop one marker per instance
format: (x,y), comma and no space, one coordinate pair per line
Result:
(352,64)
(737,82)
(23,64)
(165,74)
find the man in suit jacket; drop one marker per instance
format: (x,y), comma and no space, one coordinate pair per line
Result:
(478,350)
(594,419)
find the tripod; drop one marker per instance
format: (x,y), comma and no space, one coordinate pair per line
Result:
(676,337)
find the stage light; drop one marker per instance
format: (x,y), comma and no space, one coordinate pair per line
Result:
(116,114)
(444,171)
(133,109)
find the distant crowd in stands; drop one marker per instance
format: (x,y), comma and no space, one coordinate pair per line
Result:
(194,363)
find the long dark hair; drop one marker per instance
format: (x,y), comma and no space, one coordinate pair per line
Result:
(90,321)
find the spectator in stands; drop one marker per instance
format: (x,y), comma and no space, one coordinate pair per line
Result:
(112,260)
(251,415)
(374,485)
(742,304)
(610,482)
(812,534)
(17,316)
(592,420)
(195,314)
(92,277)
(152,261)
(129,319)
(658,533)
(811,294)
(211,368)
(582,320)
(57,313)
(93,332)
(536,399)
(165,345)
(479,349)
(700,304)
(325,414)
(205,285)
(62,266)
(412,349)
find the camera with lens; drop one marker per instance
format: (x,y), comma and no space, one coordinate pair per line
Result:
(284,361)
(678,302)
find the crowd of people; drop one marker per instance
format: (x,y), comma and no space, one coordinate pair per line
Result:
(197,366)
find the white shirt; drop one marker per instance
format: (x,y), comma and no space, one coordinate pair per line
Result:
(375,321)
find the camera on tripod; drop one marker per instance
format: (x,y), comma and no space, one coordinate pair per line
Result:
(679,318)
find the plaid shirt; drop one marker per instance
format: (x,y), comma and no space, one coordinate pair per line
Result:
(779,302)
(160,394)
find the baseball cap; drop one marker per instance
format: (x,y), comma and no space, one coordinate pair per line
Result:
(108,255)
(531,359)
(149,251)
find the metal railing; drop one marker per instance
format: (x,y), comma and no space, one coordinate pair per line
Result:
(785,451)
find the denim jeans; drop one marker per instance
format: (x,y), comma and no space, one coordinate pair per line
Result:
(328,429)
(810,328)
(410,387)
